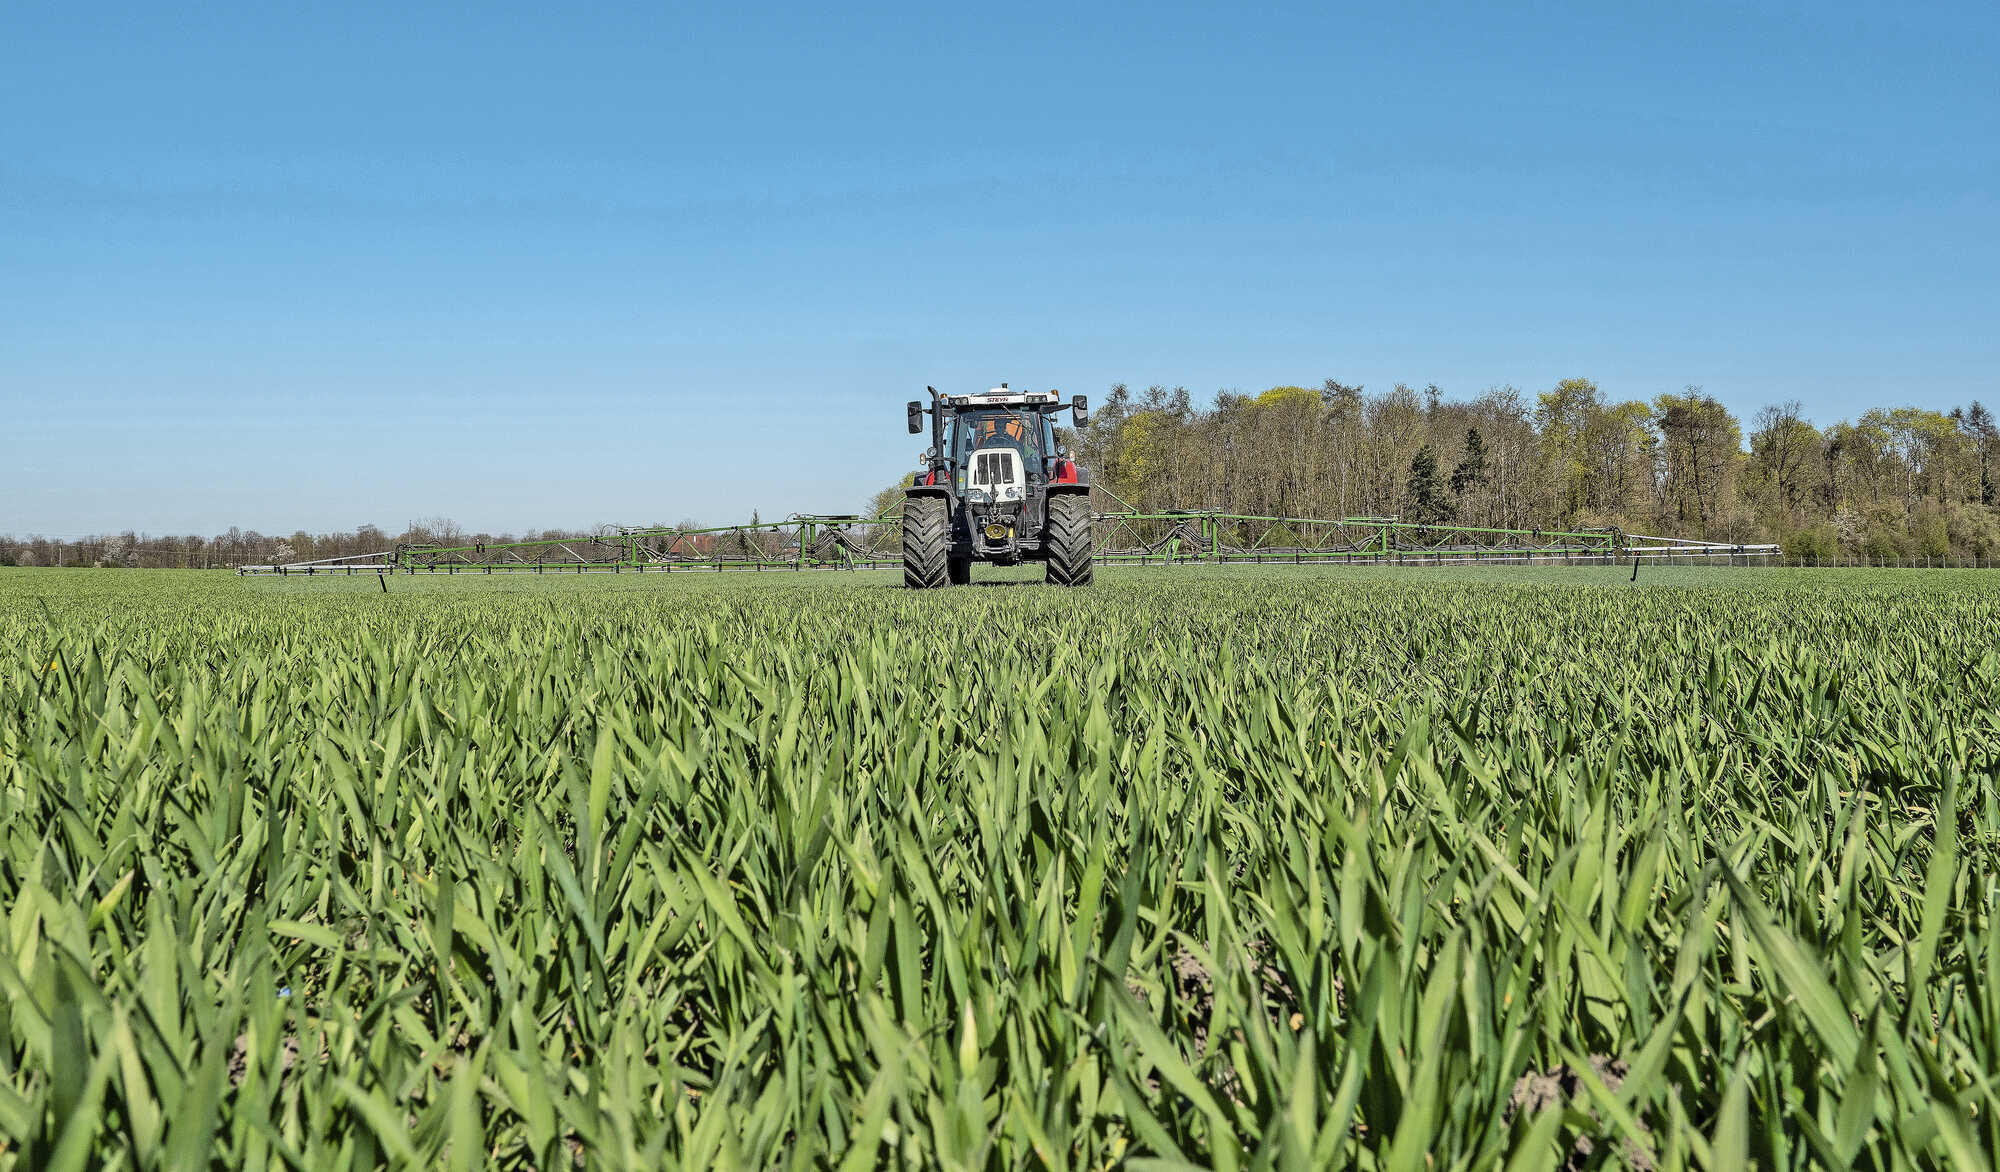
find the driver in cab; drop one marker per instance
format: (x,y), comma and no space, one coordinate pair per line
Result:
(1005,429)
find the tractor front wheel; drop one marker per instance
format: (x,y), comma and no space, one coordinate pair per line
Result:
(926,542)
(1069,541)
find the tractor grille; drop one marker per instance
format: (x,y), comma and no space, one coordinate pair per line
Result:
(994,468)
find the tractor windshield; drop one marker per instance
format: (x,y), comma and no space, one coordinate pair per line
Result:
(1029,432)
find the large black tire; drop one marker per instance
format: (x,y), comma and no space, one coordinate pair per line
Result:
(959,570)
(1069,540)
(926,542)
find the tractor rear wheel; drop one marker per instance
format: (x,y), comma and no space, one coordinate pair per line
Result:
(926,542)
(1069,540)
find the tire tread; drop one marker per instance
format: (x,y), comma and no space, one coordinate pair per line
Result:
(926,542)
(1070,561)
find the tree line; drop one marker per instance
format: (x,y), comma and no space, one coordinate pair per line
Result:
(1896,483)
(238,547)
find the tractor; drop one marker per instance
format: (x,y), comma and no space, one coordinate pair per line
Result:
(995,487)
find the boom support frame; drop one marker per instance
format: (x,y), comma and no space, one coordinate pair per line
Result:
(847,541)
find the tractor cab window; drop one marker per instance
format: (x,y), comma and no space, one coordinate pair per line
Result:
(1028,432)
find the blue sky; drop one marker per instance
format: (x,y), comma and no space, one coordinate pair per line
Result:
(310,266)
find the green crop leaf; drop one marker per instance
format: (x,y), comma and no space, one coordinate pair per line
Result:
(1294,866)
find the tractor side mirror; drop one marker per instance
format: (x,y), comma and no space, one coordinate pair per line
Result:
(1079,410)
(916,417)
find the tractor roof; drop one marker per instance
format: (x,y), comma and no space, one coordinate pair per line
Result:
(1002,397)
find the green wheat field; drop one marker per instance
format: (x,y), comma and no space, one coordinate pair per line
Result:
(1239,868)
